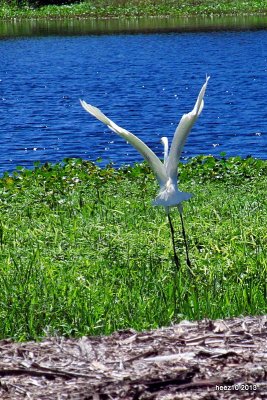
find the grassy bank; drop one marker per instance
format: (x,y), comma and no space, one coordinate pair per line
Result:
(83,251)
(133,8)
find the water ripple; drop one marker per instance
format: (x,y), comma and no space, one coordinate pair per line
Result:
(143,82)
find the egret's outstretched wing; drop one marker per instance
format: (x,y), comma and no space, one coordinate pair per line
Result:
(182,131)
(138,144)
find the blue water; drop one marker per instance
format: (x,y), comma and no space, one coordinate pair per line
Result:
(143,82)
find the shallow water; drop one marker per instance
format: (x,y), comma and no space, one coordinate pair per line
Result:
(144,82)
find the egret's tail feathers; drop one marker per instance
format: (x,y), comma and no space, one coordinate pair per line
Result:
(167,200)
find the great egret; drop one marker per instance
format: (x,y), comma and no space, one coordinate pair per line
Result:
(166,173)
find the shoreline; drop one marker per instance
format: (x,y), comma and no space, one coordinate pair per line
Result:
(206,166)
(85,10)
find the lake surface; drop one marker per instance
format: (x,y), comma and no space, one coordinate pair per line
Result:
(144,82)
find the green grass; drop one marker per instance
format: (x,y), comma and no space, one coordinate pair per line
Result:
(132,8)
(83,251)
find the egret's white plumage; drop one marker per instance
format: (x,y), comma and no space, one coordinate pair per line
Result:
(166,173)
(165,142)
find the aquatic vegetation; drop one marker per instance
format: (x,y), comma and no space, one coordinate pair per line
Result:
(129,8)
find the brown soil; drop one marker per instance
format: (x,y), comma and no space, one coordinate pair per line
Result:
(223,359)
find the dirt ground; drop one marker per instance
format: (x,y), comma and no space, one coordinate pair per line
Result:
(223,359)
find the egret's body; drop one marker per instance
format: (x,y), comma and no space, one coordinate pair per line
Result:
(166,173)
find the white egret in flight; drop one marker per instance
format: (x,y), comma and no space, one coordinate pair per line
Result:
(166,173)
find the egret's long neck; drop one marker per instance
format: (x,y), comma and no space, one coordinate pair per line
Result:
(164,141)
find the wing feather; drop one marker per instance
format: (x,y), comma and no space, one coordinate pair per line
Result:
(155,163)
(182,131)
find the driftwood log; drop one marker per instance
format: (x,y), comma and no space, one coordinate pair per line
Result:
(222,359)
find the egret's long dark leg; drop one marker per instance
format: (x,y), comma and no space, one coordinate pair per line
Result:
(188,262)
(176,259)
(185,241)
